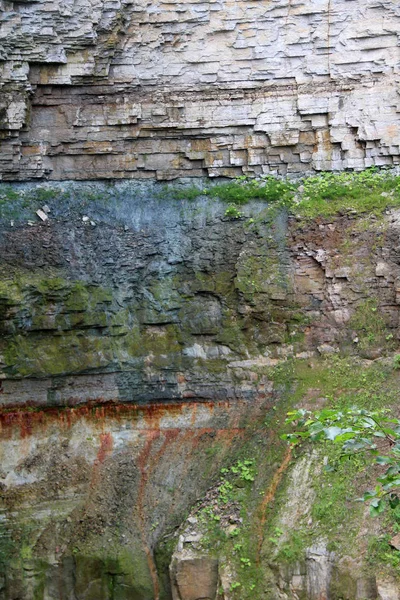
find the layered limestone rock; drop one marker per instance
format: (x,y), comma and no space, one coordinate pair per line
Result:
(116,89)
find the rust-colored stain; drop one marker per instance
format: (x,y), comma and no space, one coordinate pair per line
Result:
(27,421)
(105,449)
(106,444)
(269,497)
(148,459)
(158,438)
(146,464)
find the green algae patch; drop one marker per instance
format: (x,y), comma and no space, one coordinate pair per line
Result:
(57,355)
(123,575)
(265,274)
(220,283)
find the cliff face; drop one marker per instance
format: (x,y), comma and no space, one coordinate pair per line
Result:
(126,89)
(125,295)
(144,341)
(145,338)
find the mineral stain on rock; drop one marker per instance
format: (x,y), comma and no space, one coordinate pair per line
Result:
(137,369)
(152,337)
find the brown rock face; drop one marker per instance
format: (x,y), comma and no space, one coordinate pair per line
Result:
(194,578)
(165,89)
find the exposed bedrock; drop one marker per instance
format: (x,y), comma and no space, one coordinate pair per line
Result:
(121,295)
(158,89)
(86,494)
(138,338)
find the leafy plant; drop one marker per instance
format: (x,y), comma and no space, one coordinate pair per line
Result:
(243,189)
(327,193)
(243,468)
(232,212)
(357,431)
(277,534)
(235,585)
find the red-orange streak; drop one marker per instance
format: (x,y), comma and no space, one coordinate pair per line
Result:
(27,421)
(270,495)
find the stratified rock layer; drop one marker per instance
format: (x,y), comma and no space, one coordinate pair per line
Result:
(126,89)
(121,295)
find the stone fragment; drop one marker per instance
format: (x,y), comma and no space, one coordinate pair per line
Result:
(190,539)
(319,563)
(395,541)
(342,272)
(327,349)
(194,577)
(42,215)
(382,270)
(388,589)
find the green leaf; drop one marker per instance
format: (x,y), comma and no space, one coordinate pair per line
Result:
(369,423)
(316,427)
(329,468)
(332,432)
(377,506)
(389,432)
(393,470)
(383,460)
(368,495)
(344,437)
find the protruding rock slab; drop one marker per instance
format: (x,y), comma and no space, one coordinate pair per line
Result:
(194,577)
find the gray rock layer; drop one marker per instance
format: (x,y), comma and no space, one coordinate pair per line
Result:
(123,89)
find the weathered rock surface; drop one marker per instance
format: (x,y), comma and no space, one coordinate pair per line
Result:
(86,494)
(194,577)
(120,298)
(318,573)
(138,338)
(123,89)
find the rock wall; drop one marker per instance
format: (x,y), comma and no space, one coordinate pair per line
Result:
(86,494)
(124,295)
(123,89)
(139,338)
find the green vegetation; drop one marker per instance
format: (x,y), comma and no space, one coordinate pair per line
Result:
(345,382)
(381,552)
(367,191)
(180,192)
(322,195)
(370,326)
(243,189)
(233,212)
(333,384)
(371,434)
